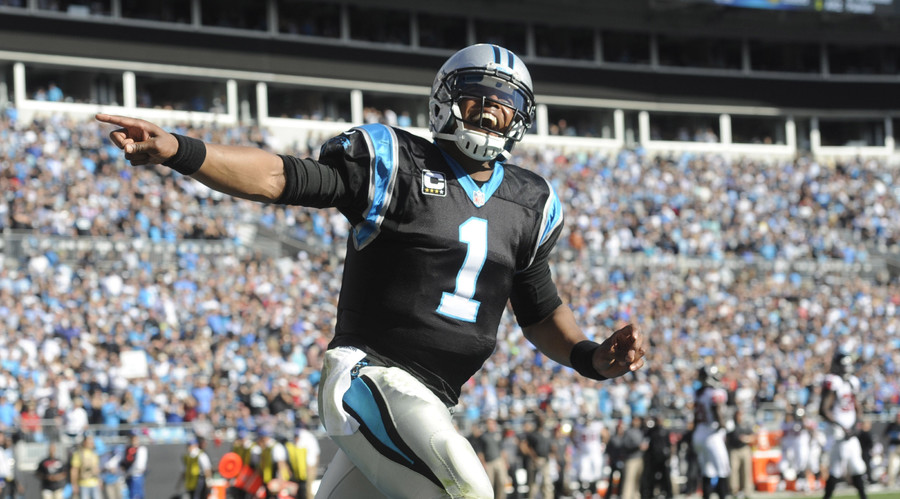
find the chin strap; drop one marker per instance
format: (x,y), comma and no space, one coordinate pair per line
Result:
(476,145)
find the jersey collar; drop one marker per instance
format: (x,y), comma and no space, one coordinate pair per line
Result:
(478,195)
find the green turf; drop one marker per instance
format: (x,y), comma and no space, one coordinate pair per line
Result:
(840,493)
(848,494)
(890,494)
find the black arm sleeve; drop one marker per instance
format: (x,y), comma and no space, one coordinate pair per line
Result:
(308,182)
(534,295)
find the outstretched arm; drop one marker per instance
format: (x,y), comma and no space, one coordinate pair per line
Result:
(557,335)
(245,172)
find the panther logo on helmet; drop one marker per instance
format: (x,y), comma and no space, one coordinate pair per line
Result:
(489,77)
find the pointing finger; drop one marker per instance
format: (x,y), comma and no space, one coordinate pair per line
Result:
(118,120)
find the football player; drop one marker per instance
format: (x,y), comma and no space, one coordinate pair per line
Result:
(841,412)
(445,233)
(588,444)
(709,433)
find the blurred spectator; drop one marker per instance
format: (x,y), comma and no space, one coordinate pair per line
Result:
(246,447)
(635,444)
(30,423)
(84,470)
(306,441)
(273,459)
(134,464)
(562,447)
(891,435)
(739,440)
(8,414)
(6,466)
(51,473)
(488,445)
(54,93)
(616,452)
(111,474)
(76,420)
(197,471)
(537,447)
(512,447)
(656,479)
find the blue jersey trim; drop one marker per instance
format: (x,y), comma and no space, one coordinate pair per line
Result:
(469,185)
(359,397)
(551,218)
(553,215)
(383,154)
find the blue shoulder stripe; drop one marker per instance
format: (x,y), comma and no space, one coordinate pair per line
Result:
(383,153)
(551,218)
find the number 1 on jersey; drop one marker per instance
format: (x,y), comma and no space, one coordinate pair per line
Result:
(459,304)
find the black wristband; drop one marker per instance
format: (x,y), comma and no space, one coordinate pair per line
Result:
(582,359)
(189,157)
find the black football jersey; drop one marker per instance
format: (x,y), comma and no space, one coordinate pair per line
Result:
(433,257)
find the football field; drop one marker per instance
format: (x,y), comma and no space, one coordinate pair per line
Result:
(847,494)
(840,493)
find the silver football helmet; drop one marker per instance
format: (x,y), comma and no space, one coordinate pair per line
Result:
(493,76)
(710,376)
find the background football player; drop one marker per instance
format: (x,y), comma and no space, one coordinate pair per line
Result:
(589,438)
(841,411)
(709,433)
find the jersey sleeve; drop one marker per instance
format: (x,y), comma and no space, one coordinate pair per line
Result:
(534,295)
(339,179)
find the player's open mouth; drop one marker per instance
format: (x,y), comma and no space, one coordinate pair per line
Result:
(489,121)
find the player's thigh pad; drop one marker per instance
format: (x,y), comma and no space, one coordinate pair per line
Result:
(719,452)
(846,459)
(712,454)
(404,440)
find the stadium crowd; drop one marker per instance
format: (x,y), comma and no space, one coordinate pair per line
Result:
(697,247)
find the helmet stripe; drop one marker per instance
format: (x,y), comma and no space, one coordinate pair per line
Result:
(496,54)
(512,58)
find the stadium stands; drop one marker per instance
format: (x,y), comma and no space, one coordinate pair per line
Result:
(717,188)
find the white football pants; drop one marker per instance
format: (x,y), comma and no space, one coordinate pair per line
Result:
(394,435)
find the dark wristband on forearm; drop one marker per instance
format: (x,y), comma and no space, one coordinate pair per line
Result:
(190,155)
(582,359)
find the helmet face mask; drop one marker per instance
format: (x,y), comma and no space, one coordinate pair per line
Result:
(482,100)
(487,92)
